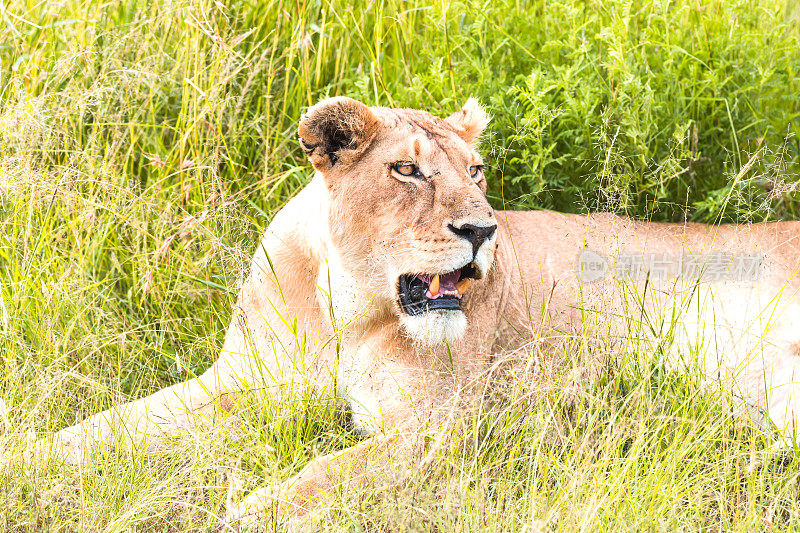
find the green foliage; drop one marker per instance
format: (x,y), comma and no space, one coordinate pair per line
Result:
(656,108)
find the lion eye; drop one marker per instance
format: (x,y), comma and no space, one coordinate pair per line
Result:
(405,169)
(475,171)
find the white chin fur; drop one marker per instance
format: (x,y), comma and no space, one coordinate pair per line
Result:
(435,327)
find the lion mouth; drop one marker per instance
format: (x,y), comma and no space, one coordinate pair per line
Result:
(420,293)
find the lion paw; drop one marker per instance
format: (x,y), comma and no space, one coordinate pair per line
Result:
(271,508)
(68,445)
(254,510)
(70,448)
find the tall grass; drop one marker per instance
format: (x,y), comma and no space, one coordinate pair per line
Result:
(144,146)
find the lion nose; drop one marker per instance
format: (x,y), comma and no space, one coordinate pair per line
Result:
(476,235)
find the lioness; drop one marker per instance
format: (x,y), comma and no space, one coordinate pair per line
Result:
(391,274)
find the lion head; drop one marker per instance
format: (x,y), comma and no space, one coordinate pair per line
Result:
(408,212)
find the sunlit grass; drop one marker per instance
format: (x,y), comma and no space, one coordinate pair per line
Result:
(145,145)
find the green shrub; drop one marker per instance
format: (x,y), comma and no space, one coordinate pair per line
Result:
(656,109)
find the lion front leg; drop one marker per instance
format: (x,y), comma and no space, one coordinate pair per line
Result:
(166,413)
(373,461)
(241,370)
(389,400)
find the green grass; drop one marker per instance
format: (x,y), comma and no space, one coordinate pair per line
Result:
(145,145)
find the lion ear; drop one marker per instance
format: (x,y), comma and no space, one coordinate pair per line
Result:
(335,128)
(470,122)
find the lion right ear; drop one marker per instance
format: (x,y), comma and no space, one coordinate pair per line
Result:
(470,122)
(335,130)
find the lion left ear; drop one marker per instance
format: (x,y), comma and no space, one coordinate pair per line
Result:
(470,122)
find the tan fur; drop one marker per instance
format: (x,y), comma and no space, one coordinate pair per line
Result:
(339,246)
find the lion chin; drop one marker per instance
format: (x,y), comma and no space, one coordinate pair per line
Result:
(435,327)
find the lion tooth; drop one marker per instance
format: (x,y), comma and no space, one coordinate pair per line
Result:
(462,286)
(434,286)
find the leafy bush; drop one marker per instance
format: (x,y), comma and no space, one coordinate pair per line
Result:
(656,109)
